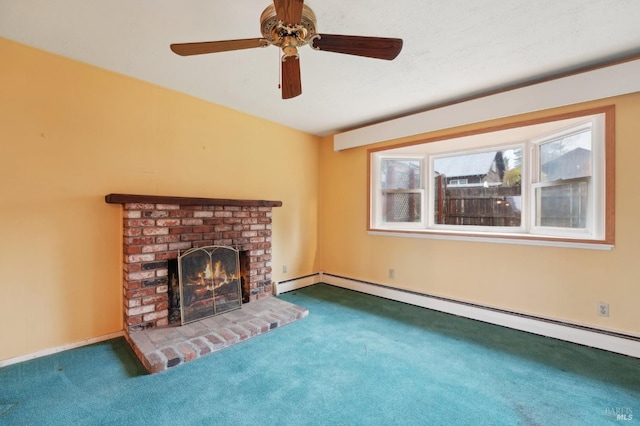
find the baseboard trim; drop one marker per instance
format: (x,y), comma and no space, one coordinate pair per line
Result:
(588,336)
(50,351)
(298,282)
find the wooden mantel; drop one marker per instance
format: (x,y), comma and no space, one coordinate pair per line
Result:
(187,201)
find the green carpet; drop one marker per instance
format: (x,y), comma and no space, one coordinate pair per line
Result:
(356,360)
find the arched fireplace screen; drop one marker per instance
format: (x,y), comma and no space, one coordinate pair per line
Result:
(210,282)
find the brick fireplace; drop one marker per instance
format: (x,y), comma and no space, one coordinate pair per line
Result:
(158,228)
(155,230)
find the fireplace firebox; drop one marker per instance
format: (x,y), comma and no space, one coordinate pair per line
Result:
(205,281)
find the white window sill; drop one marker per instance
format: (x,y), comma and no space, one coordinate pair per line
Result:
(596,245)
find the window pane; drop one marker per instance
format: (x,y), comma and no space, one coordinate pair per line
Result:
(401,207)
(480,189)
(566,158)
(400,174)
(563,206)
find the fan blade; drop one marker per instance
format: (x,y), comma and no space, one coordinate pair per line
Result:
(289,11)
(291,83)
(371,47)
(187,49)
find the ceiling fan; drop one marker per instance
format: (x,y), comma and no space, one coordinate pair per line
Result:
(289,24)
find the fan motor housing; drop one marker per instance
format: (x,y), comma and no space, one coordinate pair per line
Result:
(281,34)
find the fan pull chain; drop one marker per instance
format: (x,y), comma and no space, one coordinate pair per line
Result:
(279,71)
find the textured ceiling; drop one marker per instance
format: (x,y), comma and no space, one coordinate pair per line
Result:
(452,49)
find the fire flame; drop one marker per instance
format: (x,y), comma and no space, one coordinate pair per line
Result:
(216,273)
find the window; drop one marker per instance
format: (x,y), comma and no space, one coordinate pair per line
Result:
(401,190)
(551,180)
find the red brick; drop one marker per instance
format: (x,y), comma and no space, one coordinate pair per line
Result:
(212,236)
(190,221)
(180,213)
(155,298)
(136,223)
(154,248)
(131,294)
(138,241)
(168,222)
(181,230)
(203,347)
(134,320)
(180,246)
(155,315)
(162,239)
(233,235)
(188,353)
(155,231)
(155,213)
(132,285)
(131,232)
(173,358)
(136,258)
(139,310)
(202,229)
(139,275)
(138,206)
(204,213)
(131,249)
(167,206)
(132,303)
(167,255)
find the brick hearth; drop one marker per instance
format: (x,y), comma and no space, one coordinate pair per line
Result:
(162,348)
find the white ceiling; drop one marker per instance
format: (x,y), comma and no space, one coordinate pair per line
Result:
(452,49)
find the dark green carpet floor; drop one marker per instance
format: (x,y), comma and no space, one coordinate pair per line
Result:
(356,360)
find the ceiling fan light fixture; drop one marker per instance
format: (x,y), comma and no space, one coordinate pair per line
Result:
(289,24)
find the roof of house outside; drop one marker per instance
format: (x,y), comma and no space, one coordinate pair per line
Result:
(573,164)
(465,165)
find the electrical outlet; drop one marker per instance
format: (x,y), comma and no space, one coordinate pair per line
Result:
(284,269)
(603,309)
(392,273)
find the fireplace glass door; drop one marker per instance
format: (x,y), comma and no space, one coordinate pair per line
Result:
(209,279)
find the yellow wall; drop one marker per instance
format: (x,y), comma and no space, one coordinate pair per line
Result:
(70,134)
(559,283)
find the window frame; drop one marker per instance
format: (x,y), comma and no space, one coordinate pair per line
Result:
(378,200)
(602,224)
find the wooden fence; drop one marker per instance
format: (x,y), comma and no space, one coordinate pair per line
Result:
(480,206)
